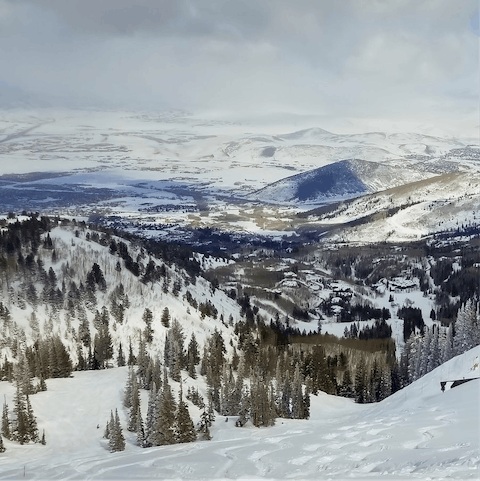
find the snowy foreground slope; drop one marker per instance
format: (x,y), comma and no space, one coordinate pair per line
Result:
(419,432)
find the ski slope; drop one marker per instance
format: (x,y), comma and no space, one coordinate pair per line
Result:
(418,433)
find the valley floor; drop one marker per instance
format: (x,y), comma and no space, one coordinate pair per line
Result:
(419,432)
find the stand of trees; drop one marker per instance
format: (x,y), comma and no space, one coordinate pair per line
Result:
(425,351)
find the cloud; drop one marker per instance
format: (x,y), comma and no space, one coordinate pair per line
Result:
(361,57)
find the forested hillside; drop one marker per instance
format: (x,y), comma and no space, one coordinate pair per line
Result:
(75,297)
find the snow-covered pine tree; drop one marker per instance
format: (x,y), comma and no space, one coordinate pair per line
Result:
(140,430)
(184,427)
(119,434)
(20,427)
(193,356)
(131,358)
(2,446)
(134,405)
(116,441)
(106,433)
(5,421)
(148,331)
(346,388)
(120,356)
(298,407)
(165,320)
(151,411)
(32,428)
(165,420)
(244,411)
(204,425)
(360,382)
(466,327)
(261,411)
(447,347)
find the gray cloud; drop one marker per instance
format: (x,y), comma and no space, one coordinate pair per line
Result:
(355,57)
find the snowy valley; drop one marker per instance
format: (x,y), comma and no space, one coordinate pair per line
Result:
(298,295)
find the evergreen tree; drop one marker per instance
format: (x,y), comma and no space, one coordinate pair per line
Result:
(447,348)
(141,437)
(346,388)
(31,423)
(43,441)
(151,411)
(148,331)
(165,422)
(185,430)
(298,407)
(127,392)
(165,320)
(261,411)
(193,357)
(116,441)
(466,327)
(131,358)
(120,357)
(5,421)
(360,382)
(204,425)
(134,406)
(20,431)
(106,433)
(2,447)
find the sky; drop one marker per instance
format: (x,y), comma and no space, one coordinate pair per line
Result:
(351,58)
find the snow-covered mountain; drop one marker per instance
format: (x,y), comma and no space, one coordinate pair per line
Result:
(447,202)
(337,181)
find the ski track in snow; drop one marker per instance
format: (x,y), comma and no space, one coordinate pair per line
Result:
(418,432)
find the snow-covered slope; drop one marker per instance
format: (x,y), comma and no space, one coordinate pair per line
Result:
(410,212)
(340,180)
(75,255)
(418,433)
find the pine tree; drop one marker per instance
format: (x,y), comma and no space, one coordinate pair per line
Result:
(141,437)
(346,388)
(466,327)
(120,357)
(360,382)
(298,408)
(116,441)
(165,423)
(185,430)
(193,357)
(447,348)
(165,320)
(127,393)
(204,425)
(134,406)
(244,411)
(119,433)
(5,422)
(43,441)
(131,358)
(150,421)
(32,428)
(147,319)
(20,432)
(106,433)
(2,447)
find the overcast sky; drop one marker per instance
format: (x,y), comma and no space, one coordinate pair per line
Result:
(345,57)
